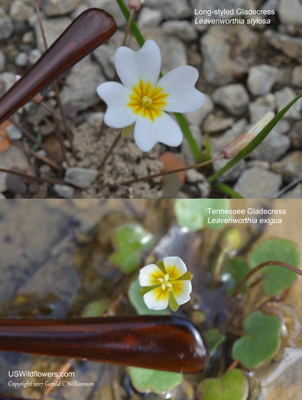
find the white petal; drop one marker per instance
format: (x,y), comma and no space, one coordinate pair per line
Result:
(131,66)
(116,96)
(180,85)
(148,275)
(181,291)
(157,299)
(164,130)
(174,267)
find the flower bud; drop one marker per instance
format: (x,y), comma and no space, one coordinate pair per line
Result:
(135,4)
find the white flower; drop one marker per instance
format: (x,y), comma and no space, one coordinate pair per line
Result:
(142,99)
(167,283)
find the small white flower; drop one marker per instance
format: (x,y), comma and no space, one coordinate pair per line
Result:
(142,99)
(167,283)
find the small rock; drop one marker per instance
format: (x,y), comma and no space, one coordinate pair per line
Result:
(196,117)
(34,56)
(172,9)
(258,164)
(21,59)
(291,46)
(297,76)
(53,29)
(214,124)
(295,193)
(65,191)
(13,132)
(296,135)
(283,97)
(11,158)
(28,37)
(185,148)
(2,61)
(261,79)
(257,112)
(94,118)
(20,10)
(7,80)
(180,29)
(257,183)
(290,167)
(290,12)
(81,83)
(81,8)
(194,176)
(234,98)
(149,17)
(80,177)
(227,53)
(6,25)
(58,7)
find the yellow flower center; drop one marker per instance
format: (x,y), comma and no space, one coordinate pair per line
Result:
(166,283)
(147,100)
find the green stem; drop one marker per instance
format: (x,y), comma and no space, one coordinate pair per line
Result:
(228,190)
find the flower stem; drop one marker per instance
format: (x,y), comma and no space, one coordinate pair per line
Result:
(256,269)
(173,171)
(131,15)
(33,178)
(117,139)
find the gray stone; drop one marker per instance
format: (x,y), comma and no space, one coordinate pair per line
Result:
(65,191)
(290,46)
(58,7)
(196,117)
(290,12)
(14,132)
(258,183)
(227,53)
(112,8)
(148,17)
(21,10)
(7,80)
(297,76)
(6,25)
(296,135)
(274,146)
(215,124)
(185,148)
(261,79)
(34,56)
(79,10)
(200,180)
(257,112)
(28,37)
(283,97)
(11,158)
(290,167)
(21,60)
(180,29)
(53,29)
(295,193)
(81,83)
(172,9)
(2,61)
(80,177)
(94,118)
(233,98)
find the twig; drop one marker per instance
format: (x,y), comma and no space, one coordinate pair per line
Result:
(117,139)
(65,368)
(232,366)
(33,178)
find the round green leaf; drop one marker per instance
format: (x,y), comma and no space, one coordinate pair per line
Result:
(149,380)
(261,341)
(194,214)
(130,240)
(231,386)
(214,338)
(95,308)
(138,302)
(277,279)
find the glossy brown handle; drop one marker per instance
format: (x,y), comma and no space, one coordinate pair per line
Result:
(92,28)
(156,342)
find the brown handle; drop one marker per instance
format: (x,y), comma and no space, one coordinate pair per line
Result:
(92,28)
(156,342)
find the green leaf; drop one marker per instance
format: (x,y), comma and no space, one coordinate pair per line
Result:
(214,338)
(130,240)
(277,279)
(194,214)
(138,302)
(231,386)
(261,341)
(228,190)
(127,130)
(255,142)
(234,271)
(149,380)
(172,302)
(95,308)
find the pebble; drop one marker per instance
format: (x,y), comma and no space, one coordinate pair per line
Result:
(227,53)
(297,76)
(257,112)
(65,191)
(180,29)
(58,7)
(261,79)
(80,177)
(296,135)
(290,12)
(81,83)
(34,56)
(233,98)
(283,97)
(21,10)
(21,60)
(258,183)
(6,25)
(200,180)
(7,80)
(2,61)
(196,117)
(290,167)
(11,158)
(172,9)
(94,118)
(28,37)
(14,132)
(53,29)
(214,124)
(291,46)
(148,17)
